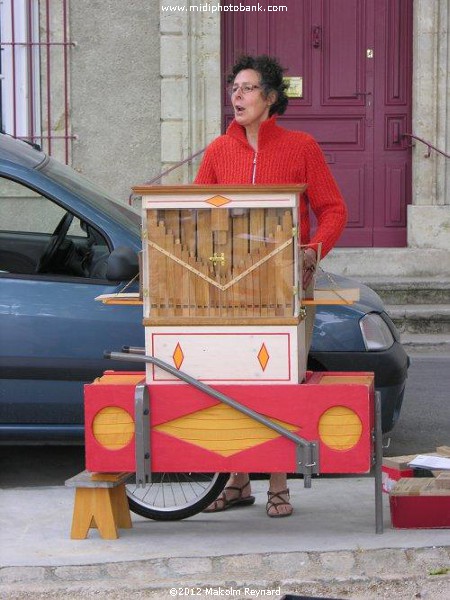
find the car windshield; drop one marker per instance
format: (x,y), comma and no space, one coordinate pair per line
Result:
(122,213)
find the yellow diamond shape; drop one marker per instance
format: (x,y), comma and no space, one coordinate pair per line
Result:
(178,356)
(218,200)
(221,429)
(263,357)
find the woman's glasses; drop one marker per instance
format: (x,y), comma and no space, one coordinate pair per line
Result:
(245,88)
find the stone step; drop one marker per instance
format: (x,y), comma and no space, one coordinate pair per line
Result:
(392,263)
(421,318)
(414,284)
(418,290)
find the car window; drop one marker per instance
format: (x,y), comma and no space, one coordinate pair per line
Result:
(37,236)
(24,210)
(126,215)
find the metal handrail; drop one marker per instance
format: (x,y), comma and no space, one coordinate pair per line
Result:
(189,159)
(179,164)
(430,146)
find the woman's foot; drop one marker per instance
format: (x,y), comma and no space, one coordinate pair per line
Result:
(232,496)
(278,504)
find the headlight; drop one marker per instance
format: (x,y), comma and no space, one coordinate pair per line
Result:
(376,334)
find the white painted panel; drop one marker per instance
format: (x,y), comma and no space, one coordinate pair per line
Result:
(229,355)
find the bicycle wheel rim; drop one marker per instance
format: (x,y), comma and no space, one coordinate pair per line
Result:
(172,496)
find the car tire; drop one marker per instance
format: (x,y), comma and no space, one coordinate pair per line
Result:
(175,496)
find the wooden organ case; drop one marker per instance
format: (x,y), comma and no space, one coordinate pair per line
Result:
(221,291)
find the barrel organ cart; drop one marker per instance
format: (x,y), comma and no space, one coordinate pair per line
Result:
(226,386)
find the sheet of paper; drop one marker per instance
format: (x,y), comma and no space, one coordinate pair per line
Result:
(431,462)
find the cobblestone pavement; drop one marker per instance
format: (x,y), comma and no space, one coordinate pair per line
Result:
(369,574)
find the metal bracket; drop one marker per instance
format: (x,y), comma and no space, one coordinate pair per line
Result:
(308,462)
(142,434)
(378,465)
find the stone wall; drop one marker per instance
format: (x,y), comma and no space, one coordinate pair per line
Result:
(115,92)
(429,214)
(190,85)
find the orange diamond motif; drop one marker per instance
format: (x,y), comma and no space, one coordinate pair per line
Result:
(178,356)
(222,429)
(218,200)
(263,357)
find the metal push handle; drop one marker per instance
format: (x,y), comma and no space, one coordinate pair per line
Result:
(307,452)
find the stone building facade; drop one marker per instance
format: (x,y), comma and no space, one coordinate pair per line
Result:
(190,64)
(145,93)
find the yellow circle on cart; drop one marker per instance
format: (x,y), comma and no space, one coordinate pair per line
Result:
(340,428)
(113,427)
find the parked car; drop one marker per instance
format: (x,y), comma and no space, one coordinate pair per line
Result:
(64,241)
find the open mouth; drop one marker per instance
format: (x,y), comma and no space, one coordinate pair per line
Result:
(238,109)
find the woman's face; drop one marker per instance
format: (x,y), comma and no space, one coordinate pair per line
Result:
(251,108)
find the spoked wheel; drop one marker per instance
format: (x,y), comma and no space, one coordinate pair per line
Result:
(173,496)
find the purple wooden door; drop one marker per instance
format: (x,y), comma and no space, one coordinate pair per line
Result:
(354,58)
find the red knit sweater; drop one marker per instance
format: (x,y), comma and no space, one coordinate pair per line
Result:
(283,156)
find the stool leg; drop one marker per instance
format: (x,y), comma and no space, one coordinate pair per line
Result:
(103,513)
(82,514)
(93,508)
(120,507)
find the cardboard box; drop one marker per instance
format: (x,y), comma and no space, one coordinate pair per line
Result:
(443,480)
(441,451)
(394,468)
(419,504)
(397,467)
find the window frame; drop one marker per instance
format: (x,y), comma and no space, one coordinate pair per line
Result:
(20,77)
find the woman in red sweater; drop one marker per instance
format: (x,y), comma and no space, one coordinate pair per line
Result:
(257,150)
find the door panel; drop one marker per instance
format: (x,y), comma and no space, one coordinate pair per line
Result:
(355,60)
(343,53)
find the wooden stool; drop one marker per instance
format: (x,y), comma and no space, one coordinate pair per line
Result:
(101,502)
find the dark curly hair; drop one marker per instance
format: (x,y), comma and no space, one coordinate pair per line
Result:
(271,73)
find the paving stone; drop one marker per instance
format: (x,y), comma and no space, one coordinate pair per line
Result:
(288,563)
(184,566)
(79,573)
(338,564)
(13,574)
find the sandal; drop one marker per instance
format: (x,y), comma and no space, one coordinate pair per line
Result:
(222,503)
(271,504)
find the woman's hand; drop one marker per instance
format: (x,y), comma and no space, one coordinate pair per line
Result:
(309,266)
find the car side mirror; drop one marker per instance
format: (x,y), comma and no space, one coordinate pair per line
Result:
(123,264)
